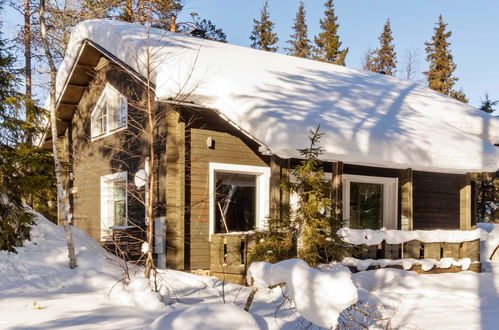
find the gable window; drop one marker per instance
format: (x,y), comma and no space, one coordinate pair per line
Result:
(113,203)
(370,202)
(109,114)
(239,199)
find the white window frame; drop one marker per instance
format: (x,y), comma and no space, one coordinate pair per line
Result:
(105,217)
(262,190)
(109,91)
(390,198)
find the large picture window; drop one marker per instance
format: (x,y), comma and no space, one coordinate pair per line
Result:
(370,202)
(113,203)
(239,199)
(109,114)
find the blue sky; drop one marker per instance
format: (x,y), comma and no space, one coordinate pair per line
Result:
(475,27)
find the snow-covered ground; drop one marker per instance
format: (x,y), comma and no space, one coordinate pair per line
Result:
(39,291)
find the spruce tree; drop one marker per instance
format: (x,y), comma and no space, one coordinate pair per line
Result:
(386,55)
(300,44)
(15,220)
(440,75)
(328,45)
(317,239)
(262,36)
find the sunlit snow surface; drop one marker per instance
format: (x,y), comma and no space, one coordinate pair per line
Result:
(39,291)
(367,118)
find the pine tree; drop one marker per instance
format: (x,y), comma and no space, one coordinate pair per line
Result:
(488,104)
(262,36)
(300,44)
(328,42)
(440,75)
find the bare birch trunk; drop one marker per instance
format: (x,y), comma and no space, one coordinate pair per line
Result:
(152,170)
(27,58)
(61,202)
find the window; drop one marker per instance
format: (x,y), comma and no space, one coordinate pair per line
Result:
(239,199)
(113,203)
(370,202)
(109,114)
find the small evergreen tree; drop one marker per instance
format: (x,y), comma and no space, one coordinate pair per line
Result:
(440,75)
(317,239)
(211,31)
(262,36)
(300,44)
(327,43)
(488,104)
(309,232)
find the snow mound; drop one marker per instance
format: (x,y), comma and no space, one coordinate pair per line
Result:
(319,297)
(374,237)
(138,293)
(490,247)
(42,263)
(407,263)
(212,316)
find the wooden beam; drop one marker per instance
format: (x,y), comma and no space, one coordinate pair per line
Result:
(77,86)
(275,186)
(85,66)
(68,104)
(465,202)
(337,190)
(175,191)
(406,199)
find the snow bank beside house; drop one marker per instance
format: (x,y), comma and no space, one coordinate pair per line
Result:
(489,249)
(319,297)
(210,316)
(374,237)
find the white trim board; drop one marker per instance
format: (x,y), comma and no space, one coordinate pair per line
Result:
(262,189)
(390,197)
(104,216)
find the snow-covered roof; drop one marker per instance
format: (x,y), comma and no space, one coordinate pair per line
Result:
(366,118)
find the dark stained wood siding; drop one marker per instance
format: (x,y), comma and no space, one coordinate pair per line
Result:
(436,200)
(111,154)
(228,149)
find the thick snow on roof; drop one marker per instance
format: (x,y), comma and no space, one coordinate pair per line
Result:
(366,118)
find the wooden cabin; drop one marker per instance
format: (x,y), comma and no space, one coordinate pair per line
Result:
(398,155)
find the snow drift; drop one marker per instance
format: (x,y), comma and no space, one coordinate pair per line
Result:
(207,317)
(319,297)
(367,118)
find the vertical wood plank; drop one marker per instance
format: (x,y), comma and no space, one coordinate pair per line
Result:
(285,174)
(412,249)
(337,190)
(275,186)
(406,197)
(432,251)
(451,250)
(175,190)
(465,202)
